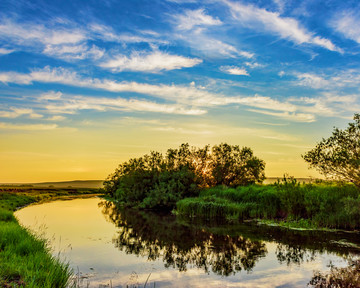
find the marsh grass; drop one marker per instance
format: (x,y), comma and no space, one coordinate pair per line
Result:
(25,259)
(338,277)
(326,205)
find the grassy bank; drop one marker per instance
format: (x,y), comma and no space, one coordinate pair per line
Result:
(308,205)
(25,259)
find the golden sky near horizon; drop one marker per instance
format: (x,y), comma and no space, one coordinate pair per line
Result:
(90,152)
(86,86)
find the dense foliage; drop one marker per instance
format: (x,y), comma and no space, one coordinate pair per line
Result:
(339,155)
(314,205)
(159,181)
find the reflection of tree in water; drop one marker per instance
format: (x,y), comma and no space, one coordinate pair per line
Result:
(219,247)
(293,254)
(161,237)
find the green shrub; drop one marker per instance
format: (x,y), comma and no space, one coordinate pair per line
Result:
(292,197)
(6,215)
(156,181)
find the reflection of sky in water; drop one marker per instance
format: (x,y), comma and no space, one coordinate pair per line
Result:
(78,229)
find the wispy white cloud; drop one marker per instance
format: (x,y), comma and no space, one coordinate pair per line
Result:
(74,104)
(180,99)
(186,95)
(193,18)
(344,78)
(14,113)
(66,40)
(50,95)
(329,104)
(14,77)
(72,52)
(31,127)
(67,77)
(347,23)
(4,51)
(211,46)
(234,70)
(215,129)
(58,41)
(285,27)
(18,112)
(253,65)
(29,33)
(193,28)
(108,34)
(312,80)
(56,118)
(149,62)
(298,117)
(35,115)
(262,102)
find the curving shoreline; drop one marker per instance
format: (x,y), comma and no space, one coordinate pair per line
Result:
(25,259)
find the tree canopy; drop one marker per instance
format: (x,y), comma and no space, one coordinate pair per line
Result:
(156,180)
(338,156)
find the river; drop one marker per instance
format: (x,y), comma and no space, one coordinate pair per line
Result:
(111,247)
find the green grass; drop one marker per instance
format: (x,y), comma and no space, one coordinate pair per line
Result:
(325,205)
(25,259)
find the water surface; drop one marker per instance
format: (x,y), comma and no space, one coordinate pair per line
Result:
(110,246)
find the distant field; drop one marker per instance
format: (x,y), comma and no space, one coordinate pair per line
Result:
(64,184)
(99,183)
(272,180)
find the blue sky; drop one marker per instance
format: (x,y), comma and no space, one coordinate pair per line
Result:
(88,84)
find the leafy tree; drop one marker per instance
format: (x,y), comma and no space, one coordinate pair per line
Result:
(159,181)
(233,166)
(338,156)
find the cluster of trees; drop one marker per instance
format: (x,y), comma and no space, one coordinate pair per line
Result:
(159,181)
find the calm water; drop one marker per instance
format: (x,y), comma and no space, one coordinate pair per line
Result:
(127,247)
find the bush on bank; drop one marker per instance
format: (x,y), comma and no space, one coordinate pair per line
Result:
(322,205)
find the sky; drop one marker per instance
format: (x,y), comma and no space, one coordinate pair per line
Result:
(86,85)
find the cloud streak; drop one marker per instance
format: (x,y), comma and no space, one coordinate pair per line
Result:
(64,39)
(297,117)
(27,127)
(347,23)
(179,99)
(77,103)
(4,51)
(32,34)
(344,78)
(194,18)
(149,62)
(18,112)
(285,27)
(234,70)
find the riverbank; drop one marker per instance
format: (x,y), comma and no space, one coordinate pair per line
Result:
(289,204)
(25,259)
